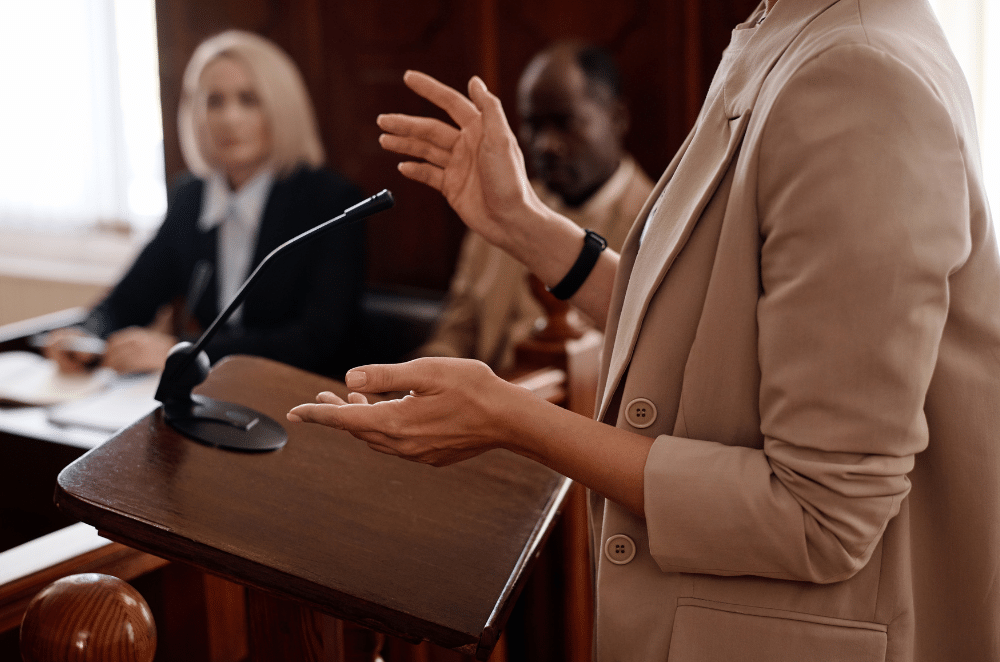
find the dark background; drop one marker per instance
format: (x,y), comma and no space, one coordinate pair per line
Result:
(353,53)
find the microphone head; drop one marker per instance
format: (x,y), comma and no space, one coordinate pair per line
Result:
(379,202)
(182,371)
(385,197)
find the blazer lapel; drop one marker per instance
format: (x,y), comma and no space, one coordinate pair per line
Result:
(689,183)
(670,224)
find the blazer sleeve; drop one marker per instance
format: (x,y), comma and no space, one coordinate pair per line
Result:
(864,215)
(321,300)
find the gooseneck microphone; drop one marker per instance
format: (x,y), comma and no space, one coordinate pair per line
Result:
(226,424)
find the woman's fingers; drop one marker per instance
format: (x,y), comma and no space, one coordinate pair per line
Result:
(428,129)
(416,148)
(357,399)
(425,173)
(328,398)
(449,416)
(448,99)
(419,376)
(494,118)
(322,413)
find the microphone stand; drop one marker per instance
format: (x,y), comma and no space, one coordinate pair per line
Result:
(227,424)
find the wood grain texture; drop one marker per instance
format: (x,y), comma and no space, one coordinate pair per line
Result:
(405,549)
(114,559)
(88,617)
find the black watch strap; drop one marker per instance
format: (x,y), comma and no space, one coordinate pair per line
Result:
(593,244)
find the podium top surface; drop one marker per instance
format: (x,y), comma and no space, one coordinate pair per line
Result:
(403,548)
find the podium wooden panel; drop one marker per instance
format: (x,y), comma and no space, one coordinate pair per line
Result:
(418,552)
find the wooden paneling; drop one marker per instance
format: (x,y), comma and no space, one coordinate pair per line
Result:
(353,54)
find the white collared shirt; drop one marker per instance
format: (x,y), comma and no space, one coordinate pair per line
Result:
(237,214)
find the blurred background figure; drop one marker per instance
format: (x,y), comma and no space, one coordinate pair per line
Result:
(249,137)
(572,123)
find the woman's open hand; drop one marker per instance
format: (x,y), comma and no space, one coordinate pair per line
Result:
(478,166)
(456,409)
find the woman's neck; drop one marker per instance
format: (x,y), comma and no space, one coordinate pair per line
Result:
(237,178)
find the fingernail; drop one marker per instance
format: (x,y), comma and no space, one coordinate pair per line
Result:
(294,418)
(355,379)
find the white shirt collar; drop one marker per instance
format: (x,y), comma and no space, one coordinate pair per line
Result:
(247,204)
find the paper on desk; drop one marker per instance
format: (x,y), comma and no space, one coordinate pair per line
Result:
(31,379)
(127,399)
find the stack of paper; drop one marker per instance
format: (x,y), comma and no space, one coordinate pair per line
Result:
(99,399)
(31,379)
(127,399)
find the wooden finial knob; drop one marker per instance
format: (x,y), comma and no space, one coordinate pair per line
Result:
(88,617)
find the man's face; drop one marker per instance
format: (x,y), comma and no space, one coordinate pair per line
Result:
(571,135)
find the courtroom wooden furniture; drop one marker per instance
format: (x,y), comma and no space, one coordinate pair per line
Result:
(553,621)
(209,611)
(203,616)
(26,570)
(103,619)
(403,549)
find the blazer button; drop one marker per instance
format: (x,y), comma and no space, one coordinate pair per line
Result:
(619,549)
(640,413)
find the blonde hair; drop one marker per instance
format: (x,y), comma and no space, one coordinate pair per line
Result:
(283,95)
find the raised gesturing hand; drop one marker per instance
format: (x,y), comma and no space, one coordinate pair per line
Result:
(478,166)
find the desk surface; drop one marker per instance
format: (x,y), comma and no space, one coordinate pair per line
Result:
(406,549)
(32,422)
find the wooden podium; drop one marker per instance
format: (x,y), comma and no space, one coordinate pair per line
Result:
(324,525)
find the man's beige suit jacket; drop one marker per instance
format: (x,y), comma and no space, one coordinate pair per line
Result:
(809,326)
(490,308)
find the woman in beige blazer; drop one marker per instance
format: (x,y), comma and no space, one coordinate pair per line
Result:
(796,453)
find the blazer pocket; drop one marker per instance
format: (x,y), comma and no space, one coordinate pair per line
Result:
(707,631)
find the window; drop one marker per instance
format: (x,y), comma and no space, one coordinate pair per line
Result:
(80,123)
(967,23)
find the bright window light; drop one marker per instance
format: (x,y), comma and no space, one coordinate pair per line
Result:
(80,123)
(967,23)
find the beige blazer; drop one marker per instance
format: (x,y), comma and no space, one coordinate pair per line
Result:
(490,307)
(810,329)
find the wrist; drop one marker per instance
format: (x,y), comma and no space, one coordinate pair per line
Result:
(552,246)
(520,417)
(593,245)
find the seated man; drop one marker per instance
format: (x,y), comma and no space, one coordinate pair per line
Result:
(572,124)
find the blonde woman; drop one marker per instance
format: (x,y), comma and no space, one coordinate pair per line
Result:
(249,138)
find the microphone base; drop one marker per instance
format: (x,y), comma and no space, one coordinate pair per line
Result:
(225,425)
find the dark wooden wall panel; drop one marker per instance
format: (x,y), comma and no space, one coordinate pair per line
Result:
(369,45)
(353,54)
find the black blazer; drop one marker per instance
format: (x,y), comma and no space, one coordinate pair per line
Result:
(305,310)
